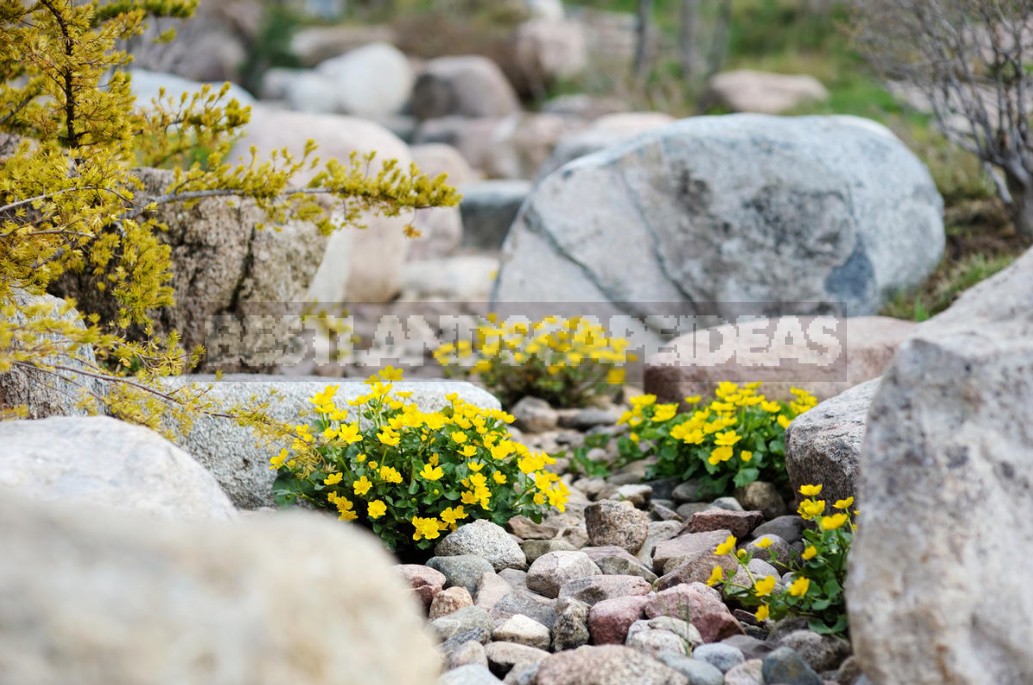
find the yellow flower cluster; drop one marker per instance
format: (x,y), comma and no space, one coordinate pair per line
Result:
(561,360)
(738,433)
(390,465)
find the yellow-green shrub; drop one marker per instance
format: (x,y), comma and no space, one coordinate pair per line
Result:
(564,361)
(734,440)
(816,591)
(410,475)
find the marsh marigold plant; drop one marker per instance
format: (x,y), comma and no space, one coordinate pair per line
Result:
(412,476)
(736,439)
(815,590)
(564,361)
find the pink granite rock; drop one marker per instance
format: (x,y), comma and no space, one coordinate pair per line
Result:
(610,619)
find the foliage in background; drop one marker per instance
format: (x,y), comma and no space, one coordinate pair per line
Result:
(70,201)
(411,476)
(272,46)
(567,362)
(816,591)
(736,439)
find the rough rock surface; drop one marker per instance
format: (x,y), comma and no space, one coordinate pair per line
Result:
(731,209)
(550,571)
(90,596)
(484,539)
(616,523)
(231,452)
(101,461)
(824,355)
(606,665)
(823,445)
(948,458)
(358,265)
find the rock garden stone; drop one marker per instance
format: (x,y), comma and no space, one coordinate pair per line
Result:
(311,93)
(606,665)
(134,599)
(468,86)
(751,647)
(868,344)
(450,601)
(515,577)
(535,549)
(471,674)
(689,491)
(749,673)
(473,138)
(372,81)
(745,90)
(491,589)
(637,493)
(571,628)
(616,523)
(438,158)
(622,565)
(775,548)
(656,642)
(551,571)
(605,131)
(465,619)
(357,266)
(503,656)
(424,581)
(484,539)
(597,588)
(659,531)
(738,523)
(701,604)
(721,656)
(463,570)
(688,547)
(729,503)
(823,445)
(610,619)
(469,652)
(534,415)
(786,666)
(102,461)
(763,497)
(821,652)
(790,528)
(524,631)
(697,672)
(478,634)
(849,176)
(527,603)
(684,630)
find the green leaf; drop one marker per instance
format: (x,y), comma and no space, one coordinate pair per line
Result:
(746,476)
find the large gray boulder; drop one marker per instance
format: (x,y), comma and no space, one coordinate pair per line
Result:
(605,131)
(232,452)
(101,598)
(101,461)
(939,571)
(732,209)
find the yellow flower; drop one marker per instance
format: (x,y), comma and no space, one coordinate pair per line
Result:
(389,475)
(643,400)
(453,514)
(499,477)
(615,376)
(810,490)
(376,509)
(432,472)
(344,507)
(390,373)
(349,433)
(468,451)
(428,528)
(389,437)
(716,576)
(693,399)
(277,461)
(362,486)
(833,522)
(810,508)
(799,587)
(475,466)
(844,503)
(809,553)
(784,420)
(634,437)
(764,542)
(720,454)
(459,437)
(725,547)
(746,456)
(763,611)
(771,407)
(360,458)
(333,479)
(664,412)
(764,586)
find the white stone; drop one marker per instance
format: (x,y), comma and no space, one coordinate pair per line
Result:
(372,81)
